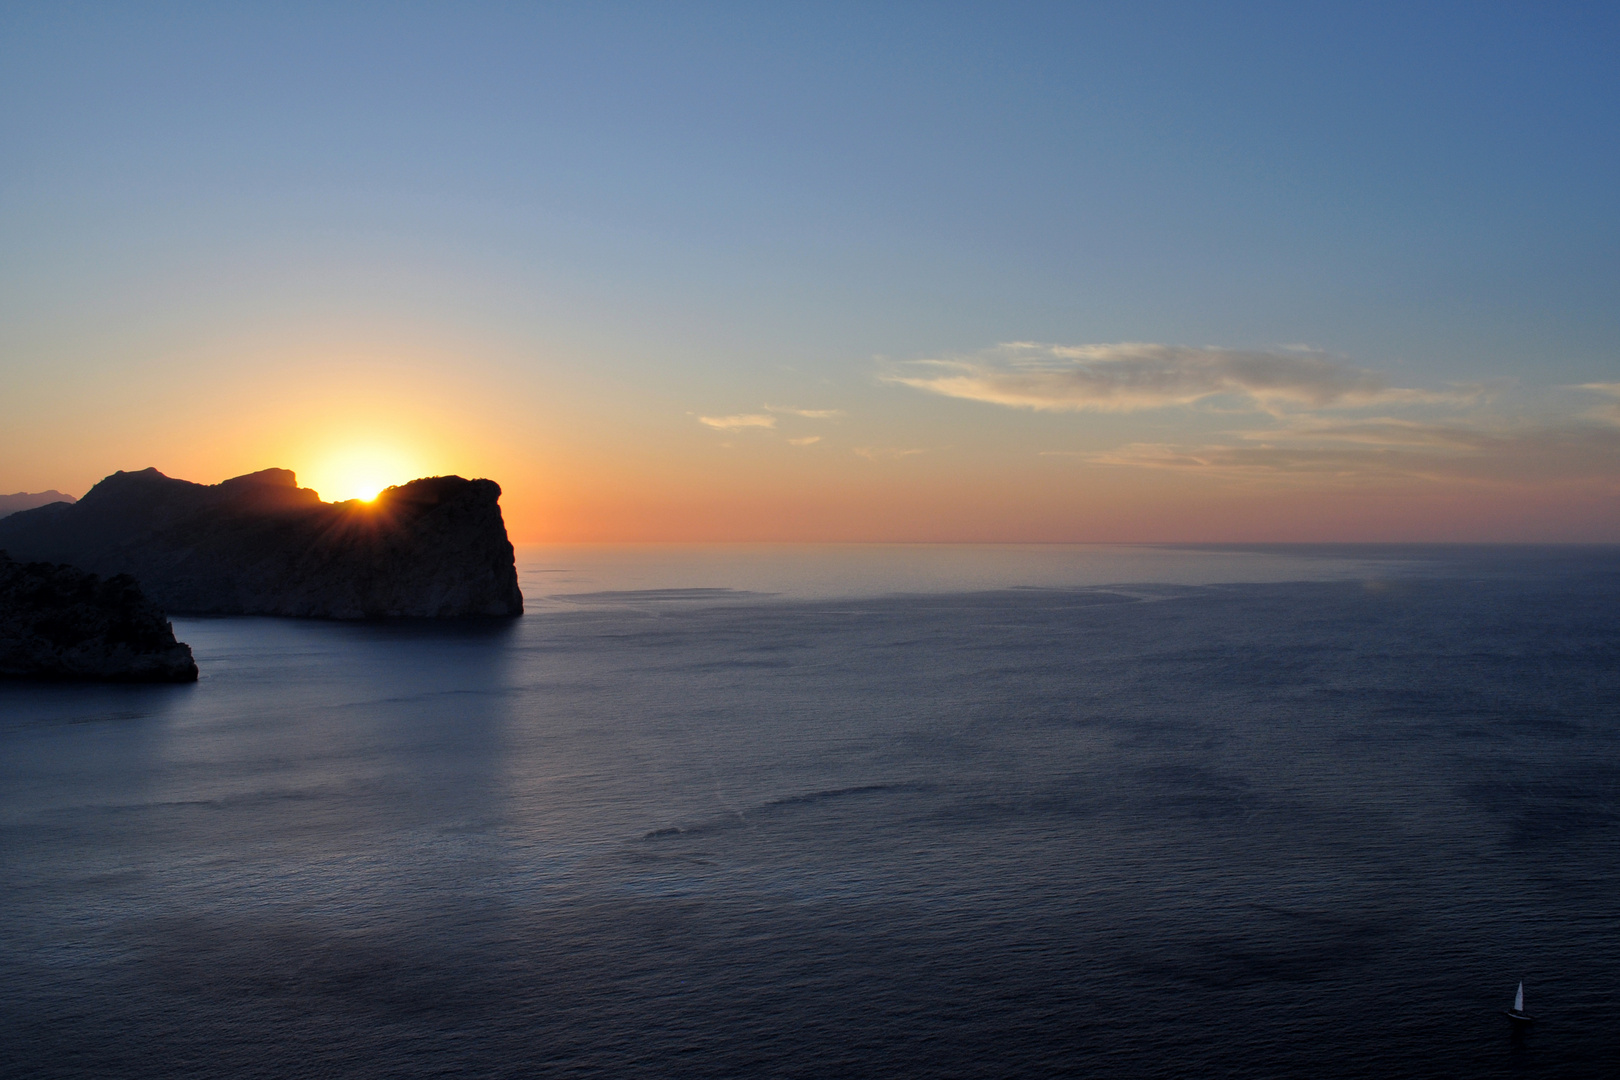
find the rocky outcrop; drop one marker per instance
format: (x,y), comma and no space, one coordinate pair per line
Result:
(261,545)
(58,622)
(27,500)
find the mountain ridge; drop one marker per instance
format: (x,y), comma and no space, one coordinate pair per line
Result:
(28,500)
(259,544)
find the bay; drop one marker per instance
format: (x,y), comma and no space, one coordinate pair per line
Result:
(846,811)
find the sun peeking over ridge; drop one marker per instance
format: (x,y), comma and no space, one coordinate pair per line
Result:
(361,473)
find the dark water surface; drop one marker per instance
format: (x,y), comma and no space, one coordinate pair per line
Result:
(1315,818)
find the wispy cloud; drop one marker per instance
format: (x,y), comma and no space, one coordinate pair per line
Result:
(808,414)
(1131,376)
(1610,410)
(1385,450)
(766,421)
(808,440)
(885,453)
(1378,431)
(738,423)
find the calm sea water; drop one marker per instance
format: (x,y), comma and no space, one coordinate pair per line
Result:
(827,812)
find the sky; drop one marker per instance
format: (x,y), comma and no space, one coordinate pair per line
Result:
(769,272)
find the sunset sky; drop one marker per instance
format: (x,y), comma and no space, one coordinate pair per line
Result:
(830,272)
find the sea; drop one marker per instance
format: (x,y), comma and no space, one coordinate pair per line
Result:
(846,811)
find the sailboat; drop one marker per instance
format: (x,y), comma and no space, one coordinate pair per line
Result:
(1517,1013)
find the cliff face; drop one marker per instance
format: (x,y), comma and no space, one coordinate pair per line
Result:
(262,545)
(58,622)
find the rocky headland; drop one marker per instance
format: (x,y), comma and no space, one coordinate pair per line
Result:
(261,545)
(58,622)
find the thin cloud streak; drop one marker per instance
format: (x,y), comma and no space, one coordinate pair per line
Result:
(885,453)
(808,414)
(738,423)
(1609,413)
(1132,376)
(1377,431)
(1383,452)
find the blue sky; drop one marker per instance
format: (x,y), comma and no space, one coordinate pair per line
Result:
(644,214)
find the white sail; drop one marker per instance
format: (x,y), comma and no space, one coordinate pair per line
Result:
(1518,999)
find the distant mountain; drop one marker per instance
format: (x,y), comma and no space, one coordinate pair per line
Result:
(261,545)
(23,500)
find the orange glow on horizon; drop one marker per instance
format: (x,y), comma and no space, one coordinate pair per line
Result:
(577,465)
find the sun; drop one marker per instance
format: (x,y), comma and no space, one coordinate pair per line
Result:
(361,473)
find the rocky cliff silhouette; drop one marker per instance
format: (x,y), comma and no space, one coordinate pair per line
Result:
(261,545)
(58,622)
